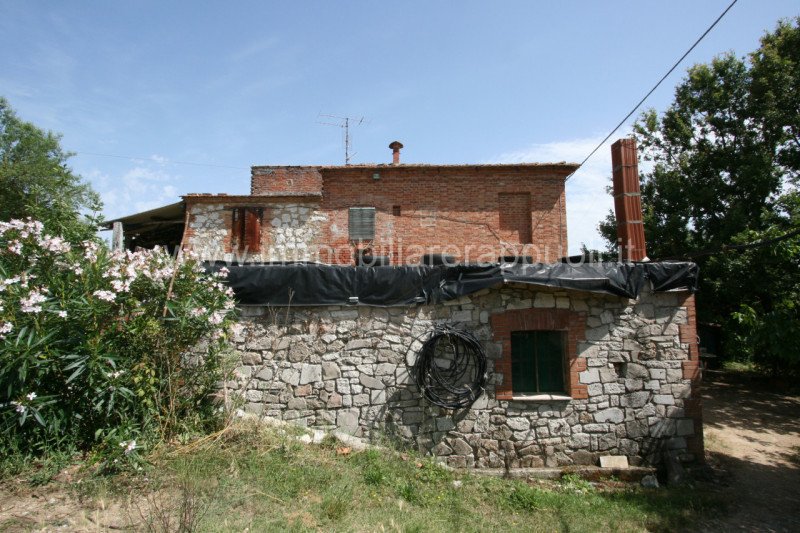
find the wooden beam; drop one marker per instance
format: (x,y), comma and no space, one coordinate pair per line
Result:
(117,237)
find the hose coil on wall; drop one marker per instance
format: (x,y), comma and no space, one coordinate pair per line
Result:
(450,369)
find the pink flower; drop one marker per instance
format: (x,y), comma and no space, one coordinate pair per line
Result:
(54,244)
(31,303)
(90,251)
(15,247)
(129,446)
(120,286)
(105,295)
(8,282)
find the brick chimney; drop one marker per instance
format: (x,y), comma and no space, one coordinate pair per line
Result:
(395,146)
(628,201)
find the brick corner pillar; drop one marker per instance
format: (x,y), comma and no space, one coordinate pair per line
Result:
(692,371)
(627,201)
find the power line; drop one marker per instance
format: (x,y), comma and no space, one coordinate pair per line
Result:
(651,91)
(737,247)
(153,160)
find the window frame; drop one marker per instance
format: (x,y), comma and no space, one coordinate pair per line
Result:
(572,322)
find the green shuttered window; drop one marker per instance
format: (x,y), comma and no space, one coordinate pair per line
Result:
(537,362)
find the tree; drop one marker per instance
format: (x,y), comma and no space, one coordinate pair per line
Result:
(724,166)
(35,180)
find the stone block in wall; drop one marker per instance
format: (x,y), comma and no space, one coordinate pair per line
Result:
(633,384)
(291,376)
(310,374)
(347,421)
(330,371)
(635,399)
(598,333)
(664,399)
(589,376)
(371,382)
(613,415)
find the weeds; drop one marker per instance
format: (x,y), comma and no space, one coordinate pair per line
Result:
(522,497)
(164,513)
(575,483)
(256,478)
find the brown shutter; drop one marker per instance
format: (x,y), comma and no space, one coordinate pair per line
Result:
(237,228)
(252,229)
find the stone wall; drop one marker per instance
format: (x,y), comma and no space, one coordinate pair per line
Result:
(209,231)
(293,230)
(289,231)
(347,368)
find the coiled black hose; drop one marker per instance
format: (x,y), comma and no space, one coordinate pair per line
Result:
(450,369)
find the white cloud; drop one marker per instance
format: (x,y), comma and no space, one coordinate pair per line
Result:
(138,189)
(587,200)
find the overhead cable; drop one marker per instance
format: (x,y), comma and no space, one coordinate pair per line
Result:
(651,91)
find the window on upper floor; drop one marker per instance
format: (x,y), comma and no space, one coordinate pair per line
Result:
(537,362)
(361,223)
(246,229)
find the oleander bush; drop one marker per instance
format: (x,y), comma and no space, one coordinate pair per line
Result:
(94,355)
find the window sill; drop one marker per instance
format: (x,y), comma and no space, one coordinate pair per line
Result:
(540,398)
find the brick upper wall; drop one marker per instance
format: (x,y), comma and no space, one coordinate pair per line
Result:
(474,213)
(447,209)
(285,180)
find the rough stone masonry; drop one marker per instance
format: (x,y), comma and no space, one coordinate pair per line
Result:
(632,388)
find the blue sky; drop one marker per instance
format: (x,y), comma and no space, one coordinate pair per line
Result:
(229,85)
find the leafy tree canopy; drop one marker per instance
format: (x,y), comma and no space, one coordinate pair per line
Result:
(35,180)
(724,166)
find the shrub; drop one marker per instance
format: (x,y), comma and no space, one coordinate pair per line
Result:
(94,356)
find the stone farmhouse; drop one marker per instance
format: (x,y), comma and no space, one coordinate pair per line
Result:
(344,273)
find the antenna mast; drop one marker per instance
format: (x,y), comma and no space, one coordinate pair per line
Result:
(344,123)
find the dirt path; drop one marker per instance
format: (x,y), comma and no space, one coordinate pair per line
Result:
(752,437)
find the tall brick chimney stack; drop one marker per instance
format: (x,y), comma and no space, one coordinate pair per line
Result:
(628,201)
(395,146)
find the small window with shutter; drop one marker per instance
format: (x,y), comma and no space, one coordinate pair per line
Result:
(246,226)
(361,223)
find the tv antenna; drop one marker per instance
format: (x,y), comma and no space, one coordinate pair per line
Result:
(345,123)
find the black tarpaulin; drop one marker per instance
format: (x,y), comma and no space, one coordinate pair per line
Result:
(318,284)
(621,279)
